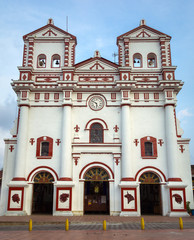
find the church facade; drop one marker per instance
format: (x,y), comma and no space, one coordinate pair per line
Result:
(96,137)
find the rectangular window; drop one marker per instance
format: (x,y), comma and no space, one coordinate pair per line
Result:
(79,96)
(37,97)
(169,94)
(46,97)
(67,94)
(24,94)
(146,96)
(136,96)
(125,93)
(113,96)
(156,96)
(56,97)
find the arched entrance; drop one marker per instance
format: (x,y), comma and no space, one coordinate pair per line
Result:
(43,193)
(150,194)
(96,191)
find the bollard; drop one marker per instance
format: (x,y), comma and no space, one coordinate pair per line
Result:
(104,225)
(142,224)
(67,225)
(181,223)
(30,225)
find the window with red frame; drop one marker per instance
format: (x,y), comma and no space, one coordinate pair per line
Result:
(55,61)
(41,61)
(148,147)
(96,133)
(44,148)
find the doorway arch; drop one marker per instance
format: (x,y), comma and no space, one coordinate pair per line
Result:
(150,194)
(96,191)
(43,193)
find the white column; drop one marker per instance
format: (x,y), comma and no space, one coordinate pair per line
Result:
(171,142)
(22,138)
(66,156)
(126,164)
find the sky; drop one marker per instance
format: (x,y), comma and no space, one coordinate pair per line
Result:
(96,24)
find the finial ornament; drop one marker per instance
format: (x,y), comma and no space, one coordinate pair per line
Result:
(97,54)
(50,21)
(142,22)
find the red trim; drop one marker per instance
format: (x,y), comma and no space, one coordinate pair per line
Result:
(89,60)
(9,198)
(34,172)
(57,199)
(97,163)
(97,120)
(128,179)
(152,171)
(184,199)
(38,146)
(18,179)
(153,141)
(174,180)
(122,199)
(65,179)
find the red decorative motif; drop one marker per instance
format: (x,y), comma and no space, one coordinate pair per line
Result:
(178,198)
(32,141)
(64,197)
(49,32)
(67,77)
(77,128)
(169,76)
(125,77)
(129,197)
(160,141)
(97,65)
(58,142)
(117,161)
(116,128)
(16,198)
(24,77)
(11,148)
(76,160)
(182,148)
(136,142)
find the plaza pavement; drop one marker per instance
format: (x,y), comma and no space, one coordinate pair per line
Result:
(90,227)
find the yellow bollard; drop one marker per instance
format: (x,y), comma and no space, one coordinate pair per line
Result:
(104,225)
(142,224)
(30,225)
(181,223)
(67,225)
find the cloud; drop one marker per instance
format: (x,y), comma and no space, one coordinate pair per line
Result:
(182,114)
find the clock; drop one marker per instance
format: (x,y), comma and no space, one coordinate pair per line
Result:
(96,103)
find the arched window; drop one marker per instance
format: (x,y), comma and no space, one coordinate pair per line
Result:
(55,61)
(41,61)
(148,147)
(44,148)
(152,60)
(137,60)
(96,133)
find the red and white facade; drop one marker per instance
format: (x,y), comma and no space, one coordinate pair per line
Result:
(133,102)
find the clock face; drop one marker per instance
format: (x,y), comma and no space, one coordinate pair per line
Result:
(96,103)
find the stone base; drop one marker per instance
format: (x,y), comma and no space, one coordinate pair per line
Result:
(63,213)
(178,214)
(129,214)
(16,213)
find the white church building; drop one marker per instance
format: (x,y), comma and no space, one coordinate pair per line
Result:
(96,137)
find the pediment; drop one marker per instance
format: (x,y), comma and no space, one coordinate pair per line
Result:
(96,64)
(143,31)
(49,31)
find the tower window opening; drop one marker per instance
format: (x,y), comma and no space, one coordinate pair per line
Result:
(137,60)
(148,149)
(56,61)
(45,149)
(151,60)
(42,61)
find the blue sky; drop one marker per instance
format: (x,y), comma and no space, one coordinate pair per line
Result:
(96,24)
